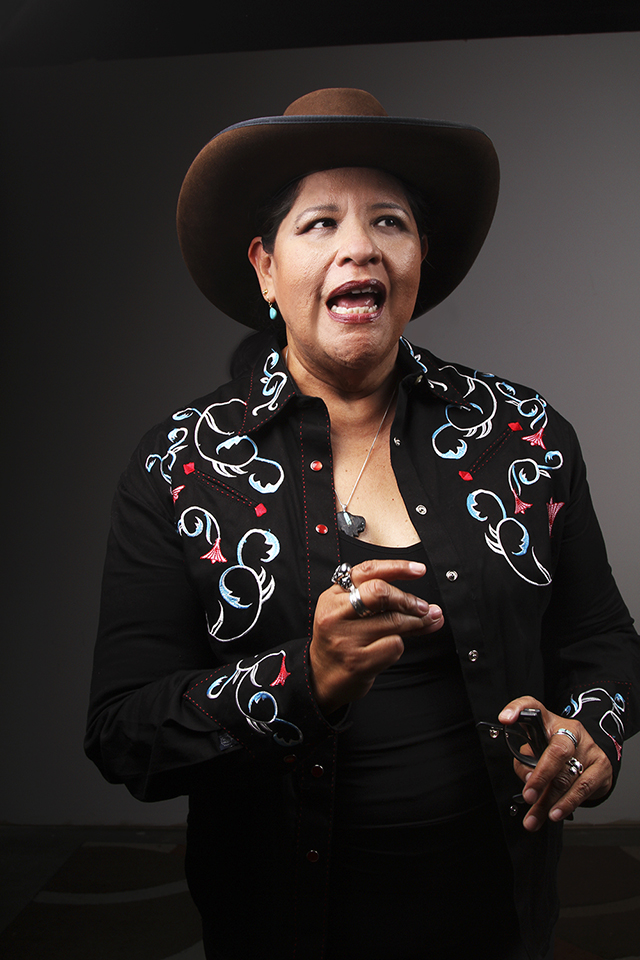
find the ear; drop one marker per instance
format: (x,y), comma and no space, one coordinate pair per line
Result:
(424,246)
(261,262)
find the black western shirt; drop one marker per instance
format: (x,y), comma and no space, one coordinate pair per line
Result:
(224,535)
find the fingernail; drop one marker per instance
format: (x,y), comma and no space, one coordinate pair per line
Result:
(418,568)
(435,613)
(556,814)
(531,823)
(530,795)
(506,715)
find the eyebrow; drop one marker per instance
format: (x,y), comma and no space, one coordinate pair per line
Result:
(333,208)
(319,208)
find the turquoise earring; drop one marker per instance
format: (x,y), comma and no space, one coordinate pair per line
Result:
(273,310)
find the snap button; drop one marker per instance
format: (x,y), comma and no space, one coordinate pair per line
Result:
(317,771)
(316,465)
(313,856)
(452,575)
(473,655)
(419,378)
(513,810)
(321,528)
(421,509)
(396,440)
(494,732)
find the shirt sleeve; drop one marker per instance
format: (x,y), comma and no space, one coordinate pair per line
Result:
(165,716)
(591,648)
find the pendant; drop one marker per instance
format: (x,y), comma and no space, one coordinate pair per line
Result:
(350,523)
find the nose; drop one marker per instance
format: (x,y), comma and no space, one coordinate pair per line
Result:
(357,243)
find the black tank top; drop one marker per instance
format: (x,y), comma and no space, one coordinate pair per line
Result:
(419,865)
(412,754)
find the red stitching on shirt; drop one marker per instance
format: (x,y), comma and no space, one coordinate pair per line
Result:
(306,524)
(246,406)
(226,490)
(489,453)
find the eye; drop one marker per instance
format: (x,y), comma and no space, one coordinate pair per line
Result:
(390,221)
(322,223)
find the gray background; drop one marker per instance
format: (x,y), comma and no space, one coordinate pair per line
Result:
(107,334)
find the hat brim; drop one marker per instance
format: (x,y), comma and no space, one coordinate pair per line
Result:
(454,167)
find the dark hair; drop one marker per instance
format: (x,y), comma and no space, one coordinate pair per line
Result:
(274,210)
(270,216)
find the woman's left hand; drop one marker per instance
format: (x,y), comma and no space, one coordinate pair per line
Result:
(551,788)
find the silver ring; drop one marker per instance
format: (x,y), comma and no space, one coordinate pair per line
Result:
(567,733)
(575,767)
(342,576)
(357,604)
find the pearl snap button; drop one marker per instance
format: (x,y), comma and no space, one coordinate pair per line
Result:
(313,856)
(317,771)
(321,528)
(452,575)
(421,509)
(316,465)
(396,440)
(473,655)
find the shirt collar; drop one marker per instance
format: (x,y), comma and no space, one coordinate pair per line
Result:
(272,386)
(422,369)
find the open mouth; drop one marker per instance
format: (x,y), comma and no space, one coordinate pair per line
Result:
(357,299)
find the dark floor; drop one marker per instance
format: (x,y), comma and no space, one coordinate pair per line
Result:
(599,886)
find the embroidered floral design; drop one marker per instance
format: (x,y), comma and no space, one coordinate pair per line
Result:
(532,408)
(259,708)
(553,510)
(611,718)
(507,537)
(200,527)
(473,420)
(176,440)
(237,455)
(527,472)
(274,381)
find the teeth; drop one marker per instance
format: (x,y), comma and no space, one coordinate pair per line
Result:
(353,310)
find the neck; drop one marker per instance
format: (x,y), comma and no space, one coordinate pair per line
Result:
(351,396)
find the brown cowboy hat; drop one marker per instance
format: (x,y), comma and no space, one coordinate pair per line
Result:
(453,166)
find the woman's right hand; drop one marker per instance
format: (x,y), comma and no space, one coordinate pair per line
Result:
(347,652)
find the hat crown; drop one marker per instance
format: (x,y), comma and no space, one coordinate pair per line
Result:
(336,102)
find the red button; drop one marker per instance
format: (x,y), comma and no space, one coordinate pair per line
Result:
(313,856)
(317,770)
(322,529)
(315,465)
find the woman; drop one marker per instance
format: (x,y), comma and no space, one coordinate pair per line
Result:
(326,579)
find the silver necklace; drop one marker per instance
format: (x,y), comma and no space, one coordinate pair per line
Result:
(352,524)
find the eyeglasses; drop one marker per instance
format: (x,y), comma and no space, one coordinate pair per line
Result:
(526,738)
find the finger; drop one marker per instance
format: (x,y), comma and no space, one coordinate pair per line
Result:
(387,570)
(382,597)
(511,711)
(569,791)
(552,767)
